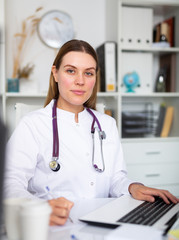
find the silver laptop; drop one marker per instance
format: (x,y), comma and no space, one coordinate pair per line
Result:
(126,210)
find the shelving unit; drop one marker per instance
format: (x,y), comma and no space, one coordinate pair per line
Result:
(151,160)
(161,10)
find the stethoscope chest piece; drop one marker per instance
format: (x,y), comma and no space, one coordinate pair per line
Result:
(54,165)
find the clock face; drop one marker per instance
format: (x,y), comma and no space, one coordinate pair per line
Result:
(55,28)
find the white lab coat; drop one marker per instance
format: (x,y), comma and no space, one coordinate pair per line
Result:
(29,152)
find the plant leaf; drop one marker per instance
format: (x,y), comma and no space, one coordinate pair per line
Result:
(38,9)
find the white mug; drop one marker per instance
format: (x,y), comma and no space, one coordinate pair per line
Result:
(34,220)
(11,217)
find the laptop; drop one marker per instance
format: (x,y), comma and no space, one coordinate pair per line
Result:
(2,162)
(127,210)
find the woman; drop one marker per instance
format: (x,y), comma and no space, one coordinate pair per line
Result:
(31,171)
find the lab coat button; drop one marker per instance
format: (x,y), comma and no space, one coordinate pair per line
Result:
(92,183)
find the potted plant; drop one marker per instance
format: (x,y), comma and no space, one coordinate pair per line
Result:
(21,39)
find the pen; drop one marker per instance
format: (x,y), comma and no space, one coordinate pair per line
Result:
(49,192)
(53,197)
(74,237)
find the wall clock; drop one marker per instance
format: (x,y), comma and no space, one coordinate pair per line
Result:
(55,28)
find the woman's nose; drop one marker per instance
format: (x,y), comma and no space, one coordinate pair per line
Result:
(79,80)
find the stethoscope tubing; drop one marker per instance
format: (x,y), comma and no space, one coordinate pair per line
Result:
(54,165)
(55,132)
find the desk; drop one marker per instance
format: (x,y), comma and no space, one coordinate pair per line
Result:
(79,228)
(82,230)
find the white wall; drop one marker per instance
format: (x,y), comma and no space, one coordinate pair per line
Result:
(89,24)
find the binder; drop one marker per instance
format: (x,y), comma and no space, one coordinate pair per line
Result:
(107,57)
(171,33)
(167,122)
(168,62)
(160,122)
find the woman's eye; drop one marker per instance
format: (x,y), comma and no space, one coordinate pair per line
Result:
(89,73)
(70,71)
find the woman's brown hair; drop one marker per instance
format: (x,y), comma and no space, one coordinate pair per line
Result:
(77,46)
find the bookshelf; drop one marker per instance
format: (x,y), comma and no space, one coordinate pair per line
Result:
(131,52)
(150,159)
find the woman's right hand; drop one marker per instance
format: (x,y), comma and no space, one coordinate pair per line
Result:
(60,210)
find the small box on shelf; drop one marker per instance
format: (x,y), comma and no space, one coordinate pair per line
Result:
(13,84)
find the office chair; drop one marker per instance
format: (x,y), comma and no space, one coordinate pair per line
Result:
(22,109)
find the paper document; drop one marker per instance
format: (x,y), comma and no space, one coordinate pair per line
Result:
(133,232)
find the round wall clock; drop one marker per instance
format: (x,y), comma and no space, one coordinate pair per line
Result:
(55,28)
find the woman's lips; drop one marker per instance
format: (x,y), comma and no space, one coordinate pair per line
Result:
(78,92)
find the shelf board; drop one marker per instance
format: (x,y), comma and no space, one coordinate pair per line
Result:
(24,95)
(107,94)
(135,95)
(99,94)
(150,3)
(151,139)
(42,95)
(150,49)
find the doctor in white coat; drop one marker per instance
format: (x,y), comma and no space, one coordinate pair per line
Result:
(51,151)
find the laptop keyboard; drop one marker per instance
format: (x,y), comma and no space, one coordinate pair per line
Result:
(147,213)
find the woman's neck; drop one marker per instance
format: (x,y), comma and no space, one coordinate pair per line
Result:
(74,109)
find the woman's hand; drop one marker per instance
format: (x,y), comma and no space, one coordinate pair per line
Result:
(60,211)
(141,192)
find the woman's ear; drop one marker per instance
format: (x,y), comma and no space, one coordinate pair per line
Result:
(54,72)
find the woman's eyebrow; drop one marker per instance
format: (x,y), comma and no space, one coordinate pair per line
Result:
(90,68)
(69,65)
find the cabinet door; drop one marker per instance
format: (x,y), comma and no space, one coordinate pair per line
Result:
(153,152)
(154,163)
(158,174)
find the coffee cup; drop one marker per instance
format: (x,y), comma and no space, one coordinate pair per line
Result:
(34,220)
(11,217)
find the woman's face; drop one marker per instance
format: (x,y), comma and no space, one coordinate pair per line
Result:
(76,78)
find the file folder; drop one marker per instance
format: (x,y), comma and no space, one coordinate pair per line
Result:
(137,27)
(107,56)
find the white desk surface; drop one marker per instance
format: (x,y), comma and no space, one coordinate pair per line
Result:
(81,230)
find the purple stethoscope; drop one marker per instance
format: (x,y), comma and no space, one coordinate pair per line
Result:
(54,165)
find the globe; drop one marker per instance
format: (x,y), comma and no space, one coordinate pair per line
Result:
(131,81)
